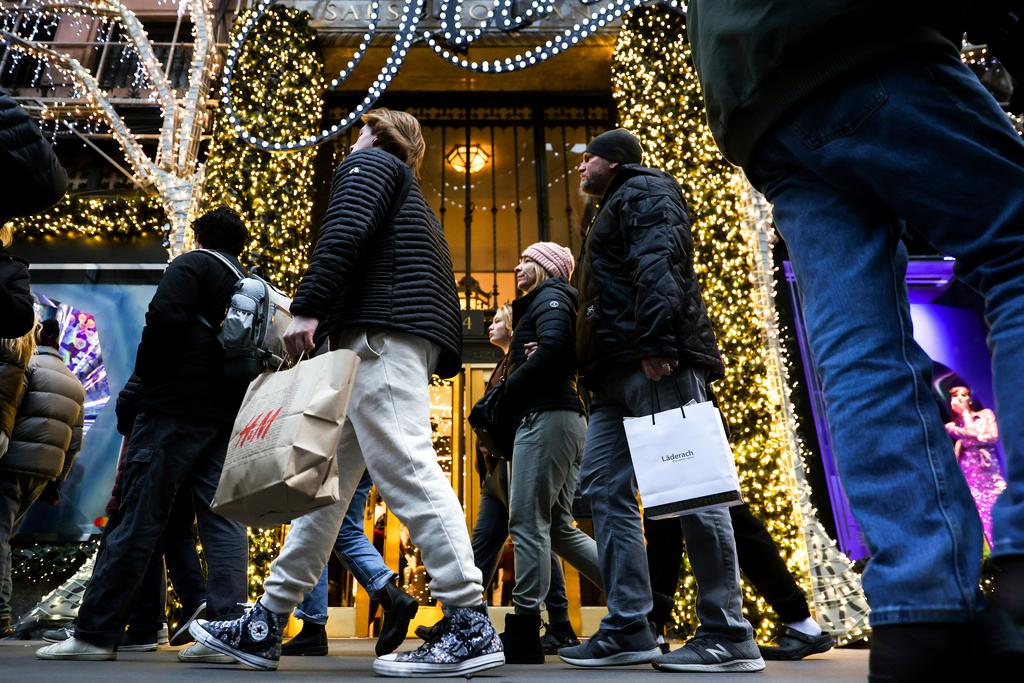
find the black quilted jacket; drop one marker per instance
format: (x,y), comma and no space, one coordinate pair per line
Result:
(31,178)
(366,274)
(547,380)
(639,296)
(17,316)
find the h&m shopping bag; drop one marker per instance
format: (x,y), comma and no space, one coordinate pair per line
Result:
(281,461)
(682,460)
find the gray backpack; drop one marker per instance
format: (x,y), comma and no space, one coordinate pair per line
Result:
(253,330)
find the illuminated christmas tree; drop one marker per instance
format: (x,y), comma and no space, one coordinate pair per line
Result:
(277,88)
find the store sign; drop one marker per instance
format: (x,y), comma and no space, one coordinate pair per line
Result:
(352,16)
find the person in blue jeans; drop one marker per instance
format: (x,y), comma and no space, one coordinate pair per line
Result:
(856,119)
(367,566)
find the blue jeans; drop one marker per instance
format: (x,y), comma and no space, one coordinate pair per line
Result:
(919,142)
(356,552)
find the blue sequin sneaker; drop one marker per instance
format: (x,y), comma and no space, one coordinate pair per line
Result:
(464,643)
(254,639)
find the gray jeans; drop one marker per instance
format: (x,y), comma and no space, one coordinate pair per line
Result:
(608,481)
(545,470)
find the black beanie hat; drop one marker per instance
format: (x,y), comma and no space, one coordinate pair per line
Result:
(617,145)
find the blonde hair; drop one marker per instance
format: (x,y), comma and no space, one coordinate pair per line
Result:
(539,274)
(505,311)
(6,235)
(399,133)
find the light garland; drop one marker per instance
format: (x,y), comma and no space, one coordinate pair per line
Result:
(452,32)
(107,218)
(278,87)
(659,98)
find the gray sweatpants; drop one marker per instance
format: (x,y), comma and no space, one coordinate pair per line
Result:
(545,471)
(388,429)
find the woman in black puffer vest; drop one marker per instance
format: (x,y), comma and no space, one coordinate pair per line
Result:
(541,392)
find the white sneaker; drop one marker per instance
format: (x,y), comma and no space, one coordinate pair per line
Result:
(78,650)
(162,635)
(199,653)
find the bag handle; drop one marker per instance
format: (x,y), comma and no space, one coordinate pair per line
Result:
(403,193)
(657,401)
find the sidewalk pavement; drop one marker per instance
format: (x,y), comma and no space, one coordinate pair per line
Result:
(352,658)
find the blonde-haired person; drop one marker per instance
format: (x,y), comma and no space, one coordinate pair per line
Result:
(15,355)
(541,393)
(380,283)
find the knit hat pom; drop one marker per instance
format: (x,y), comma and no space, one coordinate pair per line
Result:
(552,257)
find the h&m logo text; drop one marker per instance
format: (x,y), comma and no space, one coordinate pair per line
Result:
(258,427)
(672,457)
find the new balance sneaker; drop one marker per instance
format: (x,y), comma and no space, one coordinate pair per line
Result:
(77,650)
(59,635)
(464,643)
(557,635)
(197,653)
(710,655)
(792,645)
(254,639)
(135,641)
(181,634)
(613,648)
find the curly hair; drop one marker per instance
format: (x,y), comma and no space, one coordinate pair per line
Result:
(221,228)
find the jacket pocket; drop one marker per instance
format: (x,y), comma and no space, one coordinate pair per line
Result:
(839,112)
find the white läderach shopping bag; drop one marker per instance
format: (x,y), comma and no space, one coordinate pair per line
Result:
(682,460)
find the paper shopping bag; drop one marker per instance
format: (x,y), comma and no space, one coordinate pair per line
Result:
(281,461)
(682,460)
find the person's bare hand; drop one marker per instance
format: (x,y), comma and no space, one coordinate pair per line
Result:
(298,338)
(657,367)
(530,348)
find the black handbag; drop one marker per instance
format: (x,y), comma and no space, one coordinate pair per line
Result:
(494,427)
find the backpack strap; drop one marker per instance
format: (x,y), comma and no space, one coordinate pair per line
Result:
(403,194)
(225,260)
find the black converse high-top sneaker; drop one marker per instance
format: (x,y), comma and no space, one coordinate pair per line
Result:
(464,643)
(254,639)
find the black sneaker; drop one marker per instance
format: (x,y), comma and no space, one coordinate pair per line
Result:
(557,635)
(399,610)
(466,643)
(310,642)
(254,639)
(613,648)
(181,634)
(59,635)
(134,641)
(791,645)
(709,655)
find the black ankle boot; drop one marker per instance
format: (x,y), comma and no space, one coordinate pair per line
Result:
(311,642)
(558,634)
(399,609)
(521,639)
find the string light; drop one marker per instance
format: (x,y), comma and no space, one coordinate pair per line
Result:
(106,218)
(453,34)
(278,88)
(659,98)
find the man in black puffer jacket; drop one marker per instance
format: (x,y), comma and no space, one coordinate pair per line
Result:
(380,284)
(177,445)
(645,343)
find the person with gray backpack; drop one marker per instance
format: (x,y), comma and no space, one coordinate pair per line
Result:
(177,444)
